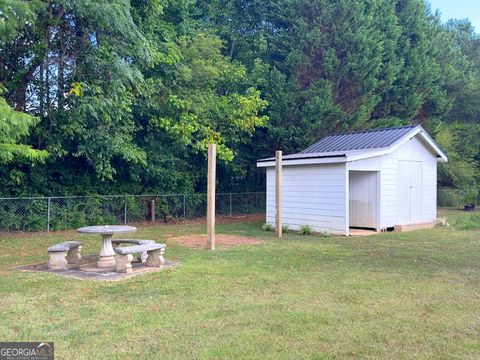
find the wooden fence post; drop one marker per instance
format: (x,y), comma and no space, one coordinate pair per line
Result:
(278,193)
(212,153)
(152,211)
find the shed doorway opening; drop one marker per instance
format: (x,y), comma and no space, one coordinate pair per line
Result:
(363,199)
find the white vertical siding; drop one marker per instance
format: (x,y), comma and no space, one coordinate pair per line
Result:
(429,188)
(312,195)
(412,150)
(388,191)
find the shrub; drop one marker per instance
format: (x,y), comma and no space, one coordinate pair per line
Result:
(449,198)
(285,228)
(470,197)
(268,227)
(305,230)
(470,222)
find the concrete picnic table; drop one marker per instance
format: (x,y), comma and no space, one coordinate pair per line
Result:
(106,258)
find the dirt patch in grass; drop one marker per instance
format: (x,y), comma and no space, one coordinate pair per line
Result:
(200,241)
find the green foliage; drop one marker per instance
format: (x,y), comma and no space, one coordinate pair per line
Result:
(128,94)
(459,130)
(285,228)
(14,126)
(15,14)
(461,142)
(469,222)
(449,198)
(268,227)
(77,212)
(104,122)
(23,215)
(212,100)
(470,197)
(461,69)
(305,230)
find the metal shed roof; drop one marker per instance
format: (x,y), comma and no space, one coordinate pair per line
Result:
(371,139)
(358,145)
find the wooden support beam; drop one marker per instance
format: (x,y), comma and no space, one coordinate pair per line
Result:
(278,193)
(212,153)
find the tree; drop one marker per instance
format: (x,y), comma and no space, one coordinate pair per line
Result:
(328,66)
(14,126)
(461,142)
(128,93)
(77,65)
(208,100)
(108,79)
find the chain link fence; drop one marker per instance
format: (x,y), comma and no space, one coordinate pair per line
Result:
(62,213)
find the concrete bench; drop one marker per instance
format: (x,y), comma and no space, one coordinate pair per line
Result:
(131,241)
(62,254)
(142,257)
(123,256)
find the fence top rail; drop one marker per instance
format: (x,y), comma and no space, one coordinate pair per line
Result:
(120,196)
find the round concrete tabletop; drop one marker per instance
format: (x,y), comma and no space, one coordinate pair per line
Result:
(107,229)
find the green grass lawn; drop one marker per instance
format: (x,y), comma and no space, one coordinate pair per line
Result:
(393,296)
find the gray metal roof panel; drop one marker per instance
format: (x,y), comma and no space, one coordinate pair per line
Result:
(370,139)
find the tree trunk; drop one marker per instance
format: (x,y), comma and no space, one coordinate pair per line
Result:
(61,64)
(47,62)
(41,91)
(21,93)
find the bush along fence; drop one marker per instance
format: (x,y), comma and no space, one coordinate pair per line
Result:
(62,213)
(453,198)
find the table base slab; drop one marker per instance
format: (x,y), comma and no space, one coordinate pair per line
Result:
(106,262)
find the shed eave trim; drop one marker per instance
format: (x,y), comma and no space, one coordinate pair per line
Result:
(441,156)
(306,161)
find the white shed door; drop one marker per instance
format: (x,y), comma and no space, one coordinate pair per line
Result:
(409,192)
(363,199)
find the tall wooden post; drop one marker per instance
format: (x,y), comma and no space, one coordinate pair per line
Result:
(212,153)
(278,193)
(152,210)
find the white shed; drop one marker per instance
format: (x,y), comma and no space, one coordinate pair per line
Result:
(378,179)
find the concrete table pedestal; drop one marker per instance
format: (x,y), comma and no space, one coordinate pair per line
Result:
(106,257)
